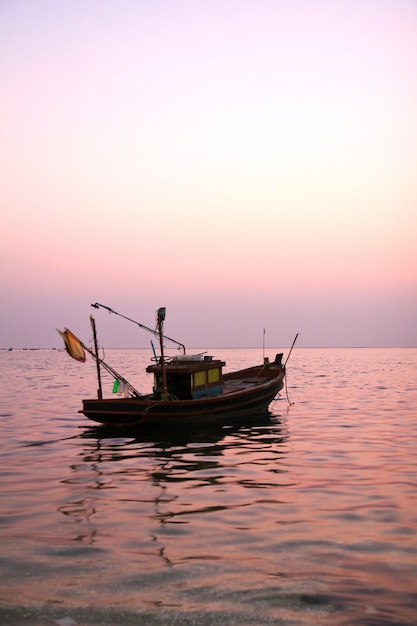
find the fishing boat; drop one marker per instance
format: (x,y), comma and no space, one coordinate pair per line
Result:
(187,388)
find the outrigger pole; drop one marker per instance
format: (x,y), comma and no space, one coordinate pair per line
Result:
(154,332)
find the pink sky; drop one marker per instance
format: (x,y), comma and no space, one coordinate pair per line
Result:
(245,164)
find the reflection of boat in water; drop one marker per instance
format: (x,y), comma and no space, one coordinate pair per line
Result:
(187,388)
(255,428)
(194,447)
(153,469)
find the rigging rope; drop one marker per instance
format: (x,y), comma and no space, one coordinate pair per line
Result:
(286,389)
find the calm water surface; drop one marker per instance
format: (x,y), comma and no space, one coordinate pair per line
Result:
(308,516)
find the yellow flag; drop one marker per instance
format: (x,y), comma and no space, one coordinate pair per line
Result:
(73,345)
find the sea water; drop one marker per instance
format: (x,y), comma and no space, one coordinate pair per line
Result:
(305,516)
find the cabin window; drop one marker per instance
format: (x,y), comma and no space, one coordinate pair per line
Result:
(199,379)
(179,385)
(213,375)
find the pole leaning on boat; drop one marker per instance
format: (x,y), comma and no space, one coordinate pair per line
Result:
(289,353)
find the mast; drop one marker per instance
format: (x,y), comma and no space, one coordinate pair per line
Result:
(99,390)
(160,316)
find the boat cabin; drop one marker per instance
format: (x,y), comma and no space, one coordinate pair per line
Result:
(189,377)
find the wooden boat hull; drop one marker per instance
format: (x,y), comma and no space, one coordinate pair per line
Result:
(245,392)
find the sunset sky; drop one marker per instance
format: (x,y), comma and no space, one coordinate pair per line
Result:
(247,164)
